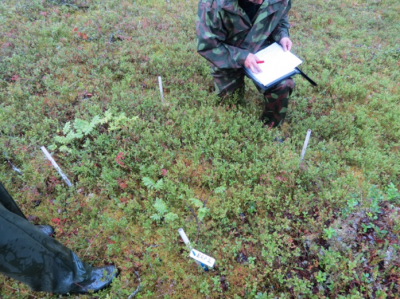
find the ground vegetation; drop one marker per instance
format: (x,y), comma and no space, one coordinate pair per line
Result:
(81,78)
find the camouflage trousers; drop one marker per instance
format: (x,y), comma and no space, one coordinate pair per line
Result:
(230,84)
(32,257)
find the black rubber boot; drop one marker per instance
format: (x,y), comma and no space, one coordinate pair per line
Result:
(46,229)
(100,279)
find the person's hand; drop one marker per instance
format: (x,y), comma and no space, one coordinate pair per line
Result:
(286,43)
(251,63)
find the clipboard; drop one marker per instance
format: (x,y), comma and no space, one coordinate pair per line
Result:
(277,65)
(296,71)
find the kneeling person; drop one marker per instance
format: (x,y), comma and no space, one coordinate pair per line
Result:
(229,32)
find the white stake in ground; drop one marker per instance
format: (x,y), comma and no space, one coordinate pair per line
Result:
(201,259)
(184,238)
(303,152)
(161,89)
(50,158)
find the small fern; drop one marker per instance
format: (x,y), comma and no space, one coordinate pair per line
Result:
(150,184)
(81,128)
(202,211)
(220,190)
(170,217)
(120,120)
(86,127)
(67,128)
(160,206)
(196,202)
(156,217)
(159,185)
(162,212)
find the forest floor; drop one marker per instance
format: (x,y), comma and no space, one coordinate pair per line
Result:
(81,79)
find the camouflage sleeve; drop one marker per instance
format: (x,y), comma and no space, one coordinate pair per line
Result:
(211,37)
(282,30)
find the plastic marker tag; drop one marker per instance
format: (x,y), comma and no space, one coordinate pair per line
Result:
(202,258)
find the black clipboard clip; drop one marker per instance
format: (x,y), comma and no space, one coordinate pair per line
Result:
(299,71)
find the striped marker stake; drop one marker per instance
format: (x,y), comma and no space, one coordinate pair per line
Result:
(50,158)
(200,258)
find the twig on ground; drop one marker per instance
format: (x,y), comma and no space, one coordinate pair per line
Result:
(111,39)
(12,165)
(15,168)
(144,243)
(205,202)
(197,222)
(152,270)
(138,287)
(91,243)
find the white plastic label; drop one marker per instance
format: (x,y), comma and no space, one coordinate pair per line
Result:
(202,258)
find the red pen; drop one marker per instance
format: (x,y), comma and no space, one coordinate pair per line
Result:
(260,61)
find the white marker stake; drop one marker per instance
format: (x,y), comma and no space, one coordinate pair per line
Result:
(161,89)
(184,237)
(201,259)
(303,152)
(50,158)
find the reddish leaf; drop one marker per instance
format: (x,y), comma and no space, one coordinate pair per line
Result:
(120,157)
(123,199)
(56,221)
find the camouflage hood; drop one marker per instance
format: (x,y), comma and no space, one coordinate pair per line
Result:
(226,35)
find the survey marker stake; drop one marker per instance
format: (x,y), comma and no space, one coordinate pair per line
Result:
(184,238)
(50,158)
(161,89)
(303,152)
(200,258)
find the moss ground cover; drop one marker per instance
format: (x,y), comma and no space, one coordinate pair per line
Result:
(80,77)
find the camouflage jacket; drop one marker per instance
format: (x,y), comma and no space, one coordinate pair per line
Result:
(226,35)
